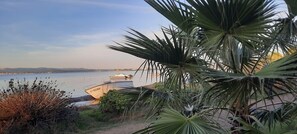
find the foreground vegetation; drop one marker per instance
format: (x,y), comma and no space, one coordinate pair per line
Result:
(40,107)
(226,66)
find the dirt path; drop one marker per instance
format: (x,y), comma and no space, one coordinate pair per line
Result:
(124,128)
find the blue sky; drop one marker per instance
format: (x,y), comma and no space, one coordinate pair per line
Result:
(72,33)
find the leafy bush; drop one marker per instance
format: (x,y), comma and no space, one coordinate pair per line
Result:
(34,108)
(115,102)
(96,114)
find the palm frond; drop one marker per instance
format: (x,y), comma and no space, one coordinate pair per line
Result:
(170,56)
(233,31)
(172,122)
(285,67)
(286,34)
(250,128)
(292,6)
(282,114)
(257,127)
(236,89)
(175,12)
(243,21)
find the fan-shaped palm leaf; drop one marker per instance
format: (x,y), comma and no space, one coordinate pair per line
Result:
(259,128)
(223,27)
(236,90)
(225,20)
(171,55)
(172,122)
(281,114)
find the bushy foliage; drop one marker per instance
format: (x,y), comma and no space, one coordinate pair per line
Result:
(115,102)
(34,108)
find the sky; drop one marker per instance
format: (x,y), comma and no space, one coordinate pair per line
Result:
(72,33)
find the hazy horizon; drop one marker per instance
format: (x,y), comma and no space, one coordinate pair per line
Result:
(70,68)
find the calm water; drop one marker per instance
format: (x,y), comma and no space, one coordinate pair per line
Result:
(76,83)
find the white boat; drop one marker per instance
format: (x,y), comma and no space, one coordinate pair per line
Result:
(117,82)
(120,77)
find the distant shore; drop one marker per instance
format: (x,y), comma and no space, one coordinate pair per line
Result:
(13,71)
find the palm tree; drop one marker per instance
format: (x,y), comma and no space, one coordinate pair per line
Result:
(226,44)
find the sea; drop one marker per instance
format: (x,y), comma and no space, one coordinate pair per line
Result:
(75,83)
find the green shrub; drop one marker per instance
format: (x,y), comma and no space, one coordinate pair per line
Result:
(96,114)
(89,118)
(35,108)
(115,102)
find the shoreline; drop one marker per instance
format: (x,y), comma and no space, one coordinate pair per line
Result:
(87,100)
(55,70)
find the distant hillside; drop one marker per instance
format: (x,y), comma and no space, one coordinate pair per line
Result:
(53,70)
